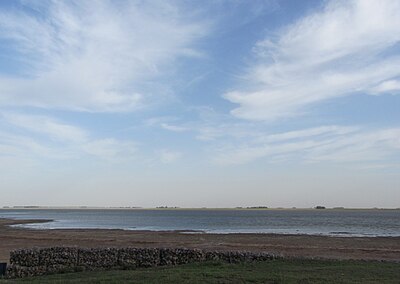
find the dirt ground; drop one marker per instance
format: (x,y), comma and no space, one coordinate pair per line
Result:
(374,248)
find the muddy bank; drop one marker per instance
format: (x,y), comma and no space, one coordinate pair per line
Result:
(374,248)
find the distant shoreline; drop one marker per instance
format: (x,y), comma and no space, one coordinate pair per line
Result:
(179,208)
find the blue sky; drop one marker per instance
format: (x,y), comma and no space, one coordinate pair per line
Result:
(192,104)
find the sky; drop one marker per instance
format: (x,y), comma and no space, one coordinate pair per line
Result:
(200,103)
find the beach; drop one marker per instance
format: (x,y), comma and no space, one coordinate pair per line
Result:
(303,246)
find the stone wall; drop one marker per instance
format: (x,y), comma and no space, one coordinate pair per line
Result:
(33,262)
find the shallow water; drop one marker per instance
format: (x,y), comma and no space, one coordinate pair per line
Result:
(316,222)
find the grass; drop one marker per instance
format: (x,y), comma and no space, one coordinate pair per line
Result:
(277,271)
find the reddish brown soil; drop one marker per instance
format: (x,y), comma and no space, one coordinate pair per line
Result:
(377,248)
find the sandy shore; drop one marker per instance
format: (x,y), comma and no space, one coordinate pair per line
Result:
(376,248)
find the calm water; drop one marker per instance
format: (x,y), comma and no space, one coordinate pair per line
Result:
(319,222)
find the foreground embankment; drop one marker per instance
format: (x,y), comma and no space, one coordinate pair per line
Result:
(304,246)
(35,262)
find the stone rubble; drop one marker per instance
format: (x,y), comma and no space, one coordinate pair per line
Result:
(34,262)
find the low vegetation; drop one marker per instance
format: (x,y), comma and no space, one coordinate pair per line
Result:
(277,271)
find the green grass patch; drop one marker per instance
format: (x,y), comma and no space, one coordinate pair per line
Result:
(277,271)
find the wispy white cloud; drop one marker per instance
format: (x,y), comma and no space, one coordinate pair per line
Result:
(387,87)
(228,141)
(110,149)
(305,133)
(52,139)
(94,56)
(24,147)
(173,128)
(348,47)
(169,156)
(323,144)
(48,126)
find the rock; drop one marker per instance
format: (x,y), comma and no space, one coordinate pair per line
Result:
(25,263)
(58,256)
(97,258)
(25,257)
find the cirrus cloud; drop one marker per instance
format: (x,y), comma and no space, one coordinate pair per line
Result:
(97,56)
(348,47)
(38,136)
(332,144)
